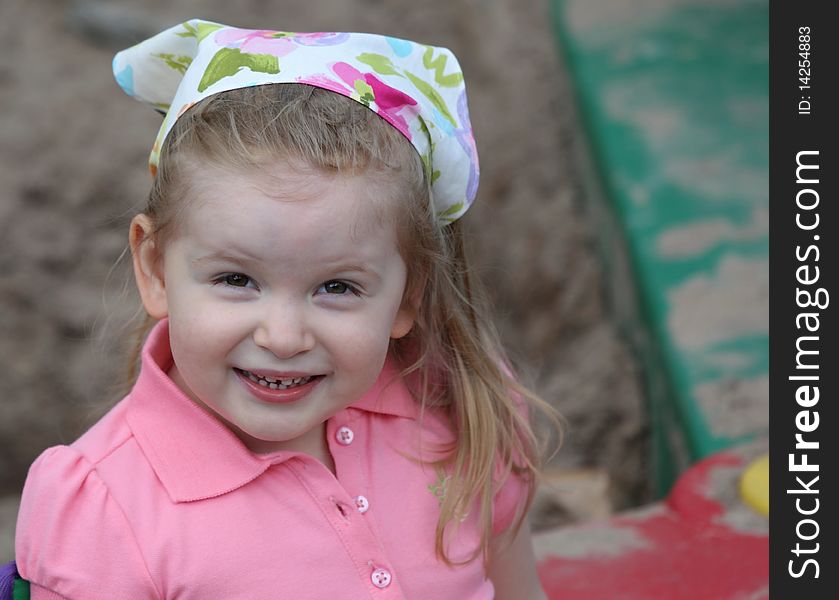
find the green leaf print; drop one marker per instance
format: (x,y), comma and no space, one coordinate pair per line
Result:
(431,94)
(364,91)
(425,164)
(381,64)
(202,31)
(439,66)
(179,63)
(205,29)
(453,209)
(228,62)
(426,157)
(190,31)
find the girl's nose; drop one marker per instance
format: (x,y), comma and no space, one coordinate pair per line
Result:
(283,332)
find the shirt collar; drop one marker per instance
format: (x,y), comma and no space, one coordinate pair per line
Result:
(193,454)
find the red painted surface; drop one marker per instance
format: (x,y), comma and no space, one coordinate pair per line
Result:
(691,496)
(685,550)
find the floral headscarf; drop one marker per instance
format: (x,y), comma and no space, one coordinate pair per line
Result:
(418,89)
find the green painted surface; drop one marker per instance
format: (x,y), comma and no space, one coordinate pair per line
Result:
(674,100)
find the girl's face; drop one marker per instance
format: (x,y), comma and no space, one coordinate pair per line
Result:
(264,282)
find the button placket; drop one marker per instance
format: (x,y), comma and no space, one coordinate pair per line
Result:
(344,436)
(350,473)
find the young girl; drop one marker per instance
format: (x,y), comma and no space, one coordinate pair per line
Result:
(322,408)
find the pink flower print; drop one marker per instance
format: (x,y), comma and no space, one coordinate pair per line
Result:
(274,43)
(389,101)
(325,82)
(322,38)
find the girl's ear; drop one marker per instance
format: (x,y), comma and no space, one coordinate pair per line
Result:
(148,267)
(403,322)
(406,315)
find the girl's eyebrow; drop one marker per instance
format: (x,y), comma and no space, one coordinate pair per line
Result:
(357,267)
(225,255)
(239,256)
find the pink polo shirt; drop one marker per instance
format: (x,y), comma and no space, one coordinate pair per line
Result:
(160,500)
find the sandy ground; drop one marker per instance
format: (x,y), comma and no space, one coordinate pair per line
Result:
(73,151)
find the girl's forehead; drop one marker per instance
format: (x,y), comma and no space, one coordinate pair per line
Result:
(291,181)
(283,207)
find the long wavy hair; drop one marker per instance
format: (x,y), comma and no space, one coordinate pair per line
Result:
(452,356)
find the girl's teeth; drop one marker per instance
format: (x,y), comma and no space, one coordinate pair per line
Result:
(277,384)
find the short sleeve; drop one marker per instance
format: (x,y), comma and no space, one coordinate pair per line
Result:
(73,540)
(509,502)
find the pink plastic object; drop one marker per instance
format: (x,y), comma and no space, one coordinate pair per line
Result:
(701,542)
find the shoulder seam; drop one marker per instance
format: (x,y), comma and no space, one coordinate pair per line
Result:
(111,451)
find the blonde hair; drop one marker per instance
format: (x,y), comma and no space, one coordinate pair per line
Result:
(452,354)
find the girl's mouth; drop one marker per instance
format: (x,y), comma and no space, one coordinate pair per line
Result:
(276,390)
(273,383)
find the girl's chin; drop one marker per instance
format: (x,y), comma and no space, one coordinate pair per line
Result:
(310,442)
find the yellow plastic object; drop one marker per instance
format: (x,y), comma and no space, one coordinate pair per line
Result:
(754,485)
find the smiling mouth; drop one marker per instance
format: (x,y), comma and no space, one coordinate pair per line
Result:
(276,383)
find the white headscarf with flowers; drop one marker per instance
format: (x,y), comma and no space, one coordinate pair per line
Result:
(418,89)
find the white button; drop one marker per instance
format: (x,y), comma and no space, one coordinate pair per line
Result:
(381,578)
(344,435)
(362,504)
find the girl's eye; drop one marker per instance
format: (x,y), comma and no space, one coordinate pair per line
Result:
(338,287)
(235,279)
